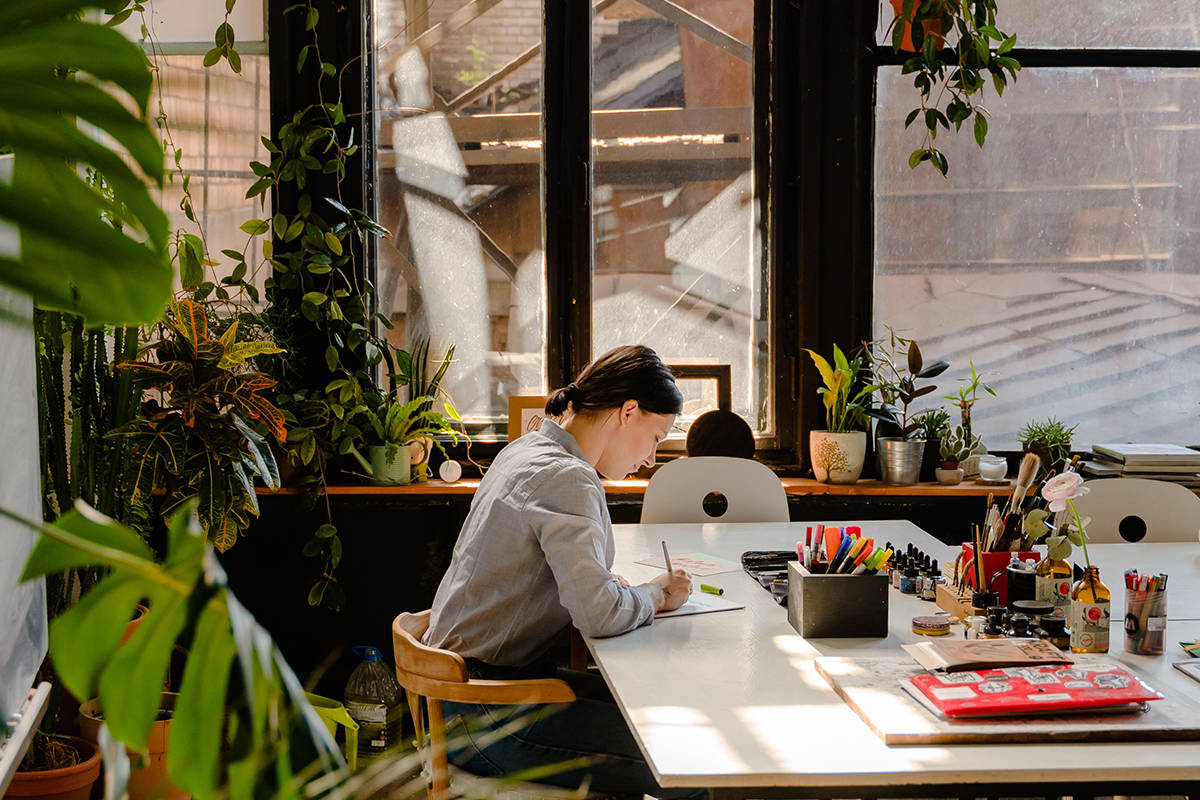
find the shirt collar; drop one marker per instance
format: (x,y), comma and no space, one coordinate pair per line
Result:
(555,433)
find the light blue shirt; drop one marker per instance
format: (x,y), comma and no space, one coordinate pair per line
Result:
(534,554)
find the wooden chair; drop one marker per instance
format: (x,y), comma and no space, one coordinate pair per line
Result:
(1136,509)
(431,676)
(678,489)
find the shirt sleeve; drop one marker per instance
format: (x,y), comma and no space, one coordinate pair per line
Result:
(567,516)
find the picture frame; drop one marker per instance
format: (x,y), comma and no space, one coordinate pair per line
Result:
(525,413)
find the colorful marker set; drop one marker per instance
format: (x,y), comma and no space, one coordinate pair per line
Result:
(1145,612)
(842,551)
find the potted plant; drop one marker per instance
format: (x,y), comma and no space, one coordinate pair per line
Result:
(413,371)
(191,439)
(148,778)
(955,445)
(58,767)
(838,452)
(1050,440)
(951,81)
(932,423)
(896,366)
(965,399)
(402,434)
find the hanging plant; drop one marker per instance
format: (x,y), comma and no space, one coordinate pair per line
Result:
(951,82)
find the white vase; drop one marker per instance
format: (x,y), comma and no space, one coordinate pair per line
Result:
(948,477)
(837,457)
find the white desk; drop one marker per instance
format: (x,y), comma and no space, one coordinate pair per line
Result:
(731,700)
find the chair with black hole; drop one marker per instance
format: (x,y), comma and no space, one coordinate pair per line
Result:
(714,489)
(431,676)
(1136,509)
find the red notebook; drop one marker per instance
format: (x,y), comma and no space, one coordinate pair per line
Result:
(1032,690)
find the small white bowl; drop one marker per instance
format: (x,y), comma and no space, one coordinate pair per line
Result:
(992,468)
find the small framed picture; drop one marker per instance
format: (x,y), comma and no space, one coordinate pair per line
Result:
(525,414)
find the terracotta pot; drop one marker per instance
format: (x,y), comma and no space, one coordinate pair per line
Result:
(68,783)
(138,615)
(931,27)
(148,776)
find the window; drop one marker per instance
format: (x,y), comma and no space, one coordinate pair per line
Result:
(215,116)
(1062,257)
(677,253)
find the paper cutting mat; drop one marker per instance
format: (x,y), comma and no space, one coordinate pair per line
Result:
(872,688)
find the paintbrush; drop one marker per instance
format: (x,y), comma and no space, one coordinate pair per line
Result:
(977,535)
(1030,465)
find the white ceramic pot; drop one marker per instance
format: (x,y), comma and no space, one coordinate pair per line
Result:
(837,457)
(948,477)
(394,471)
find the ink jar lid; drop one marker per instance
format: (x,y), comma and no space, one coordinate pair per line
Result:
(1034,609)
(984,599)
(931,625)
(1053,626)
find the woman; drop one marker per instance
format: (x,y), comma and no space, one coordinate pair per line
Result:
(535,555)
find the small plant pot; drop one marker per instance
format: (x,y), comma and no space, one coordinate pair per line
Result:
(948,477)
(837,457)
(900,460)
(68,783)
(396,471)
(147,779)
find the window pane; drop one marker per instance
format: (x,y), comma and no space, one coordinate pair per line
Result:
(1155,24)
(678,261)
(1062,258)
(458,184)
(216,117)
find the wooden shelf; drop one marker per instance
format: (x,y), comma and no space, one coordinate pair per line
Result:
(793,486)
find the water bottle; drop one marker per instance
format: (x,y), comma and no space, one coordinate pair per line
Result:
(373,700)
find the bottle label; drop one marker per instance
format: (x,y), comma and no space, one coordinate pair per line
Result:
(1089,627)
(1054,590)
(367,713)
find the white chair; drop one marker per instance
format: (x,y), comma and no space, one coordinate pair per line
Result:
(687,489)
(1135,509)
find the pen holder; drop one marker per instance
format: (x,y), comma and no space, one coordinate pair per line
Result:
(995,569)
(837,606)
(1145,621)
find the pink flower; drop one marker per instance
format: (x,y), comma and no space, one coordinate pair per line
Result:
(1061,488)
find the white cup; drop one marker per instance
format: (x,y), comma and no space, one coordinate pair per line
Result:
(992,468)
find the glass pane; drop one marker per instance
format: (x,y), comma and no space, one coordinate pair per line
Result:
(678,261)
(1062,258)
(1152,24)
(458,184)
(216,117)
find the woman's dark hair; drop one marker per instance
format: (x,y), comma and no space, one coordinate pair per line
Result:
(720,433)
(632,372)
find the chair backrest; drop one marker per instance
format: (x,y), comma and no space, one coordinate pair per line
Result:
(433,675)
(677,492)
(1135,509)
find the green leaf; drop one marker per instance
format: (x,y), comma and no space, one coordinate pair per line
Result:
(981,128)
(916,157)
(131,685)
(328,68)
(316,298)
(333,243)
(212,56)
(235,61)
(300,59)
(331,357)
(254,227)
(912,115)
(84,638)
(939,161)
(310,20)
(1006,45)
(325,531)
(196,726)
(83,523)
(224,36)
(294,230)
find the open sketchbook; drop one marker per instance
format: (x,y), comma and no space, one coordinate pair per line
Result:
(701,603)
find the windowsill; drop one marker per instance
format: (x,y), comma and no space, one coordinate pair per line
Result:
(793,486)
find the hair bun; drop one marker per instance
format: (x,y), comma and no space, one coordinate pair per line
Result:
(573,391)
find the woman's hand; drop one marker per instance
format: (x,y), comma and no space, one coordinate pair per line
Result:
(676,587)
(620,579)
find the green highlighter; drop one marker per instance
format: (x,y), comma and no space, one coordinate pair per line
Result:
(717,590)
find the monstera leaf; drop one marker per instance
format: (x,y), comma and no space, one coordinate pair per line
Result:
(55,241)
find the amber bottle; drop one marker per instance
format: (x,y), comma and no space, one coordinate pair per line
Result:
(1052,584)
(1090,605)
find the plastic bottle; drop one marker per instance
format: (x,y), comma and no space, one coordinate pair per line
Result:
(374,701)
(1090,613)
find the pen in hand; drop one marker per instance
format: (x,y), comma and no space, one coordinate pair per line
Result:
(666,555)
